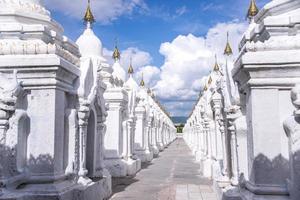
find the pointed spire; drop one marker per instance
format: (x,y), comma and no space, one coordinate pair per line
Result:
(228,49)
(142,83)
(253,9)
(216,67)
(89,17)
(130,69)
(116,55)
(209,80)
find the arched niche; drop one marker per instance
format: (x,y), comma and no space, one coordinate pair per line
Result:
(70,138)
(99,108)
(23,130)
(91,144)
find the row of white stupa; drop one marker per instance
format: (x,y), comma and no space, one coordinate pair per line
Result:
(244,129)
(68,120)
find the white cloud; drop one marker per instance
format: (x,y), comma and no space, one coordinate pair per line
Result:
(216,36)
(182,10)
(188,60)
(139,58)
(150,73)
(104,11)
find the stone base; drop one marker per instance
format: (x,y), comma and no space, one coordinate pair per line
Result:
(133,166)
(198,156)
(221,180)
(227,193)
(206,167)
(235,193)
(116,167)
(160,146)
(194,150)
(155,151)
(247,195)
(144,156)
(64,190)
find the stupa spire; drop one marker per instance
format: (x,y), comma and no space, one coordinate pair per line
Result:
(130,69)
(89,17)
(116,55)
(216,67)
(142,83)
(253,10)
(228,49)
(209,80)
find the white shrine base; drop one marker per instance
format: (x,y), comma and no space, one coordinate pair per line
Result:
(250,196)
(63,190)
(206,166)
(122,168)
(235,193)
(155,151)
(133,166)
(144,155)
(160,146)
(198,156)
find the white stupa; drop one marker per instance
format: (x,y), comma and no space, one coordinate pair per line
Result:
(131,83)
(118,70)
(89,44)
(90,48)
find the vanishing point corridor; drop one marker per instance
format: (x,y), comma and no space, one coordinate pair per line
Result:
(174,175)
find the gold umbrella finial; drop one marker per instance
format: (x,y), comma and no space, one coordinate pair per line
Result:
(216,67)
(210,80)
(228,49)
(253,9)
(142,83)
(130,69)
(116,55)
(89,17)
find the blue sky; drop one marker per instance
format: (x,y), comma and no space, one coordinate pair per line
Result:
(150,28)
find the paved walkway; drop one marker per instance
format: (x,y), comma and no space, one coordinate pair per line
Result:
(172,176)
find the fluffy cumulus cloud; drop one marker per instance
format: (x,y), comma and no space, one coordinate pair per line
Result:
(188,60)
(138,57)
(104,11)
(185,61)
(150,74)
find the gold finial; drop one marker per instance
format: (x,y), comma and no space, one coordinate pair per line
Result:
(142,83)
(228,49)
(216,67)
(209,80)
(89,17)
(116,55)
(253,9)
(130,69)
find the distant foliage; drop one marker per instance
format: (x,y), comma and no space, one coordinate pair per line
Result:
(179,128)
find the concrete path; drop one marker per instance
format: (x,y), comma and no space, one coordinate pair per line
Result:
(172,176)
